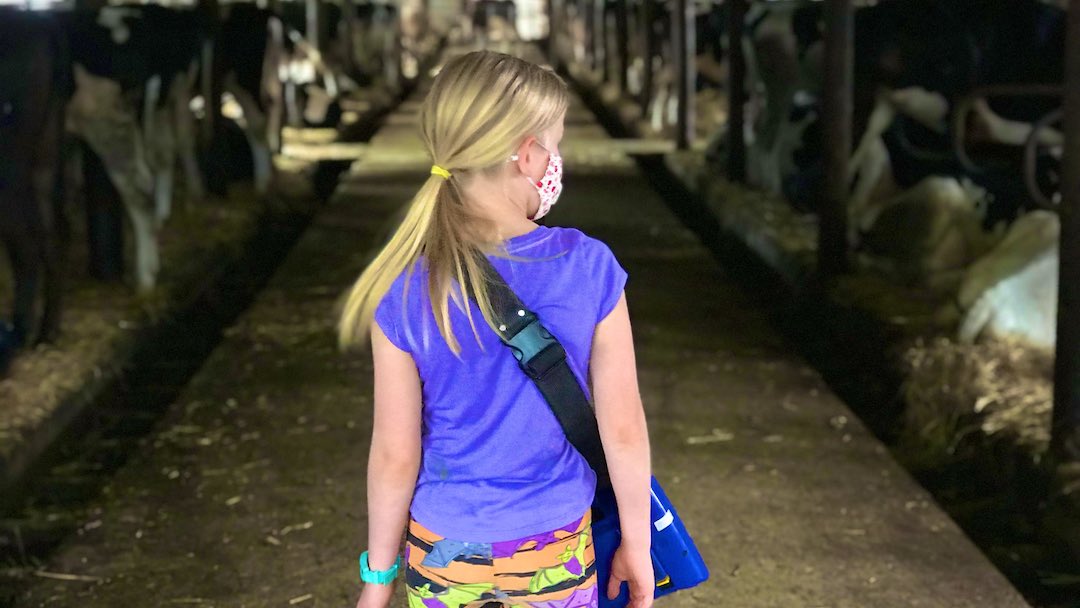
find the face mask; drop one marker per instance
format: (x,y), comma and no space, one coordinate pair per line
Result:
(550,185)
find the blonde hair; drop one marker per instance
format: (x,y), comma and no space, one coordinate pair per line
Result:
(481,106)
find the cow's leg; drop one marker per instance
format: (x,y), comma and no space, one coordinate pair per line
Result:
(772,60)
(264,168)
(184,127)
(292,104)
(660,99)
(130,182)
(673,110)
(160,144)
(132,185)
(24,251)
(928,108)
(1002,130)
(99,115)
(867,166)
(937,192)
(144,226)
(271,89)
(47,178)
(104,218)
(256,133)
(163,192)
(881,117)
(874,163)
(274,115)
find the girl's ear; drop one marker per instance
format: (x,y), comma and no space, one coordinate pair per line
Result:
(524,155)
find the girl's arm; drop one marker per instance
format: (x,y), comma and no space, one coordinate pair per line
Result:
(394,460)
(621,417)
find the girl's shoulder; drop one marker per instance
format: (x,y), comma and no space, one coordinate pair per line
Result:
(567,240)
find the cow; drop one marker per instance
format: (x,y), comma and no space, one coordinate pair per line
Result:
(1011,292)
(167,117)
(35,82)
(249,50)
(916,63)
(924,100)
(131,107)
(494,20)
(783,48)
(374,42)
(418,39)
(311,85)
(941,220)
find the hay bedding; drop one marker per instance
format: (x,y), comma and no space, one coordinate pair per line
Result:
(998,389)
(99,320)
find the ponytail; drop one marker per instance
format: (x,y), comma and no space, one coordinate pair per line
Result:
(480,107)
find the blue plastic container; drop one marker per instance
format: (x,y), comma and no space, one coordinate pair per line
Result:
(677,563)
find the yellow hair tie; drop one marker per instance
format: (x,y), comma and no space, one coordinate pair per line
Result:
(437,170)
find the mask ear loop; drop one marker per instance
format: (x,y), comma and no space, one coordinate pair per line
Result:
(514,158)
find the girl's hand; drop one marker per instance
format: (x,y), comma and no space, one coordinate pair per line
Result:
(375,596)
(634,566)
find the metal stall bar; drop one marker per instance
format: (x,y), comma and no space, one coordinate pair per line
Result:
(552,28)
(736,168)
(314,15)
(1065,437)
(684,48)
(836,125)
(600,38)
(589,14)
(605,39)
(211,87)
(649,44)
(622,43)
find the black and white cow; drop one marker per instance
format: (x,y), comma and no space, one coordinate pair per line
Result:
(922,105)
(167,110)
(915,63)
(783,46)
(35,82)
(249,51)
(493,19)
(135,69)
(374,42)
(311,84)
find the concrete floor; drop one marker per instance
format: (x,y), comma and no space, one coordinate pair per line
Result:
(252,491)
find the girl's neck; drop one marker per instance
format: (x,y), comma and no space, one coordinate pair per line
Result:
(503,218)
(504,233)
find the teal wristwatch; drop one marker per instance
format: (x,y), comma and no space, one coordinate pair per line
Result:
(378,577)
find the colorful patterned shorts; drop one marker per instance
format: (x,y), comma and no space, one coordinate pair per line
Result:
(551,570)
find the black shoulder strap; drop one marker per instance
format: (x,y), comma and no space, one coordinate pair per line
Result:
(543,359)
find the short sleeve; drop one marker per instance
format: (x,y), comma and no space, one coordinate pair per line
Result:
(390,316)
(611,278)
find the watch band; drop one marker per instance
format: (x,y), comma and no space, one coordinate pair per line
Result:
(378,577)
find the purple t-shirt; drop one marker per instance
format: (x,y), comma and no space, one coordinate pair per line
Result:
(496,465)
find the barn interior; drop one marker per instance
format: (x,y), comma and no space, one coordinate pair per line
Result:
(852,235)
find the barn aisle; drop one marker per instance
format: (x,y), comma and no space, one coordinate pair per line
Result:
(252,493)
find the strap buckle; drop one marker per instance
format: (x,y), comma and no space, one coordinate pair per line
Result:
(535,349)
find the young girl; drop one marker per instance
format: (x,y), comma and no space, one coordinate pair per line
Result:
(463,441)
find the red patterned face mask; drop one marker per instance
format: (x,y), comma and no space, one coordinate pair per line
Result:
(550,186)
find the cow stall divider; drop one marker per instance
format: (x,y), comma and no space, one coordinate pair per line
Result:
(650,44)
(836,124)
(736,126)
(1065,426)
(622,43)
(181,321)
(814,264)
(683,28)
